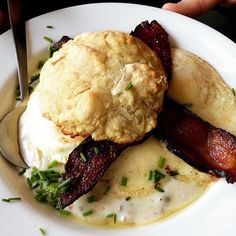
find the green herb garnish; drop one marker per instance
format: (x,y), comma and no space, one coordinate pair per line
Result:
(48,39)
(110,215)
(159,189)
(49,26)
(42,231)
(173,172)
(87,213)
(30,89)
(91,199)
(123,181)
(114,218)
(150,175)
(83,157)
(47,185)
(40,64)
(17,92)
(65,184)
(158,176)
(64,212)
(127,198)
(233,91)
(34,78)
(129,86)
(107,189)
(52,164)
(50,51)
(11,199)
(161,162)
(96,150)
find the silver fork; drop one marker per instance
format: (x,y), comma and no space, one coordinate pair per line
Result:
(9,143)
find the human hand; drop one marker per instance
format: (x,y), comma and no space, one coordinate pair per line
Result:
(196,7)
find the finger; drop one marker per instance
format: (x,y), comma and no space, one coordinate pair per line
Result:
(191,7)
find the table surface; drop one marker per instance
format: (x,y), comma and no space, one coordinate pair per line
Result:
(221,18)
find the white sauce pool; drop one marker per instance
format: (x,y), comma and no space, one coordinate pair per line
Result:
(42,143)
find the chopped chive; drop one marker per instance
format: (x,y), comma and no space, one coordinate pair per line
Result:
(173,172)
(49,26)
(123,181)
(11,199)
(91,199)
(107,189)
(65,183)
(64,212)
(34,78)
(159,189)
(17,91)
(110,215)
(40,64)
(29,183)
(42,175)
(87,213)
(48,39)
(127,198)
(52,164)
(30,89)
(129,86)
(42,231)
(47,186)
(233,91)
(161,162)
(83,157)
(35,185)
(96,150)
(50,51)
(158,174)
(22,171)
(150,175)
(114,218)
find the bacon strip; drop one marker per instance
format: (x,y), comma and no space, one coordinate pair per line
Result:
(156,38)
(209,149)
(56,46)
(86,165)
(205,147)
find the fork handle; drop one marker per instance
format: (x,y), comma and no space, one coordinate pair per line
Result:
(15,9)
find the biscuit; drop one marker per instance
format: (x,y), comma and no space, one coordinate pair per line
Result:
(108,85)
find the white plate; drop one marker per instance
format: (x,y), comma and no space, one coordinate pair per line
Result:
(213,214)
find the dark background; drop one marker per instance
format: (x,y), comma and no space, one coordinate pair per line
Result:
(221,18)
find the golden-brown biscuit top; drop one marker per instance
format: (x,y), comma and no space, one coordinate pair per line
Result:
(106,84)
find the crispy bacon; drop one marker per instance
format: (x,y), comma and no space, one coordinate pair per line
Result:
(56,46)
(156,38)
(86,165)
(209,149)
(197,142)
